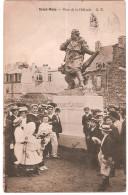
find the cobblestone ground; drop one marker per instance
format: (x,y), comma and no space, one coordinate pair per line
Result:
(68,174)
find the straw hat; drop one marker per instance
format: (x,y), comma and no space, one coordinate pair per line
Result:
(23,109)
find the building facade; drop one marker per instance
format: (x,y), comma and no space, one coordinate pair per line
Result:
(108,73)
(20,80)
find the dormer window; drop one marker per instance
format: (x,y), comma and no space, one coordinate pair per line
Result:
(100,65)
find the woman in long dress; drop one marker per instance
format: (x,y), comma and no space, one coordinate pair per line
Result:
(19,140)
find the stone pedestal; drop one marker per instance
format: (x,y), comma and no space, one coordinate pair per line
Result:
(71,115)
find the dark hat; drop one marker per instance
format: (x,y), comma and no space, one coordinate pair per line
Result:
(111,106)
(106,128)
(52,104)
(114,114)
(14,108)
(86,109)
(96,111)
(94,120)
(57,110)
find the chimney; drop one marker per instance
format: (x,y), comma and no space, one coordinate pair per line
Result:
(97,46)
(122,41)
(45,72)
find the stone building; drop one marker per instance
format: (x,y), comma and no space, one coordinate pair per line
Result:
(108,74)
(22,79)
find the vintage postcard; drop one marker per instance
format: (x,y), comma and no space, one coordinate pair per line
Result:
(64,96)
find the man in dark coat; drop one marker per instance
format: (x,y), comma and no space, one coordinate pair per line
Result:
(105,157)
(33,116)
(10,142)
(93,147)
(123,140)
(116,143)
(15,112)
(85,119)
(56,123)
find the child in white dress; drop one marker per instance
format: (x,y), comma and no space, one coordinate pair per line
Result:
(31,158)
(44,134)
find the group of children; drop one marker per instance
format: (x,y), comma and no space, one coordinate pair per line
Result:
(28,135)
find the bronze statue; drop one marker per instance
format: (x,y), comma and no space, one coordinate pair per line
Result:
(75,49)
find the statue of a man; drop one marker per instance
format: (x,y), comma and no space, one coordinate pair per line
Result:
(75,48)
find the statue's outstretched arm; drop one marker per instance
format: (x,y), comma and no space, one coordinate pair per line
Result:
(85,48)
(89,61)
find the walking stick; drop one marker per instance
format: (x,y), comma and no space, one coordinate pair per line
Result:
(25,146)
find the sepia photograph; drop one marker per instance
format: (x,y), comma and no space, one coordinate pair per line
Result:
(64,96)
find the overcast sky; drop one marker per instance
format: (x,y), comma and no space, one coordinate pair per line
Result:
(35,36)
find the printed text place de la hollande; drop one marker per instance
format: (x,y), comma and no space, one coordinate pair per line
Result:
(71,9)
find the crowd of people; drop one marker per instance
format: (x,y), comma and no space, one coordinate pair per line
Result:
(30,137)
(105,135)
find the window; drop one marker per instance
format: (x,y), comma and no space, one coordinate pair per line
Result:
(7,90)
(103,66)
(8,78)
(39,77)
(5,78)
(49,77)
(18,77)
(98,80)
(100,65)
(12,78)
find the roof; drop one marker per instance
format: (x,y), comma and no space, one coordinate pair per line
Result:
(15,71)
(49,87)
(105,55)
(53,70)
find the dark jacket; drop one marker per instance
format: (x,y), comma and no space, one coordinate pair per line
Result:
(123,134)
(36,119)
(57,127)
(11,118)
(84,123)
(50,120)
(9,132)
(123,141)
(106,147)
(10,129)
(114,134)
(96,132)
